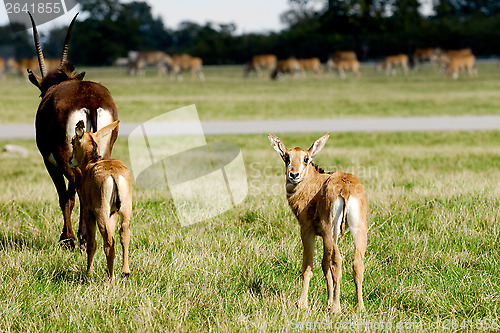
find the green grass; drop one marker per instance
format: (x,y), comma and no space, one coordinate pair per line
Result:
(432,253)
(226,95)
(434,210)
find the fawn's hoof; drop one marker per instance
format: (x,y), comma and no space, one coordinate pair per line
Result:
(125,275)
(334,308)
(302,305)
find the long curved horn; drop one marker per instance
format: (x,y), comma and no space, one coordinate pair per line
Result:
(41,60)
(64,56)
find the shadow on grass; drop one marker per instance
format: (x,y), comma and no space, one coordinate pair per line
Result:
(62,273)
(13,241)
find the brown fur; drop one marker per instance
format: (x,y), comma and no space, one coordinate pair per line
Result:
(185,62)
(315,198)
(460,63)
(391,62)
(102,201)
(150,58)
(290,65)
(312,64)
(343,66)
(445,57)
(63,91)
(259,62)
(344,55)
(426,54)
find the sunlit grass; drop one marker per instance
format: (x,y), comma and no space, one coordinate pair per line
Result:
(226,95)
(432,253)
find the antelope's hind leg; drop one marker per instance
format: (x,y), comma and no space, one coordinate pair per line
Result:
(334,256)
(125,241)
(107,226)
(66,203)
(89,220)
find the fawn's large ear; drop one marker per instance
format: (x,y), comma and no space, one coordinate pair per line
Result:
(318,145)
(277,144)
(106,130)
(80,129)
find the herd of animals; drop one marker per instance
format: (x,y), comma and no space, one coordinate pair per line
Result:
(77,125)
(449,62)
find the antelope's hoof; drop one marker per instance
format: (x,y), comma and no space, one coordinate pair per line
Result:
(82,239)
(335,309)
(83,245)
(303,305)
(125,275)
(67,243)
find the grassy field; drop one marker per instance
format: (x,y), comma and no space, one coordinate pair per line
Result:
(433,252)
(226,95)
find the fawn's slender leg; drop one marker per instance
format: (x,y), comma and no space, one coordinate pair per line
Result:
(326,264)
(125,241)
(359,267)
(337,277)
(307,237)
(107,228)
(359,229)
(89,220)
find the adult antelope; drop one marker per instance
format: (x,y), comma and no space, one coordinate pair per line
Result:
(445,57)
(142,59)
(106,193)
(344,55)
(290,65)
(426,54)
(325,204)
(343,66)
(312,64)
(67,99)
(458,63)
(260,62)
(185,62)
(390,64)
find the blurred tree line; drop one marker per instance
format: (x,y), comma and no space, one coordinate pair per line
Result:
(108,29)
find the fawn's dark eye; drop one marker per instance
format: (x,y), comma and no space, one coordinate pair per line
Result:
(306,160)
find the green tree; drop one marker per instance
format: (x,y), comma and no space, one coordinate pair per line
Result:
(15,44)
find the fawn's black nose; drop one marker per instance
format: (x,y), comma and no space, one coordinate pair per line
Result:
(294,176)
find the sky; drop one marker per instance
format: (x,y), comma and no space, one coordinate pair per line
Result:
(248,15)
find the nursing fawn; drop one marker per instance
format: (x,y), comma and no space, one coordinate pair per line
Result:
(106,193)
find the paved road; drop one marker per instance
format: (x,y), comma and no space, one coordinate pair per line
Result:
(467,123)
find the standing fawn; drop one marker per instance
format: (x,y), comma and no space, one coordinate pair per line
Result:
(106,192)
(324,204)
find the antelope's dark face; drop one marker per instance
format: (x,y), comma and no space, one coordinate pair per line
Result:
(297,160)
